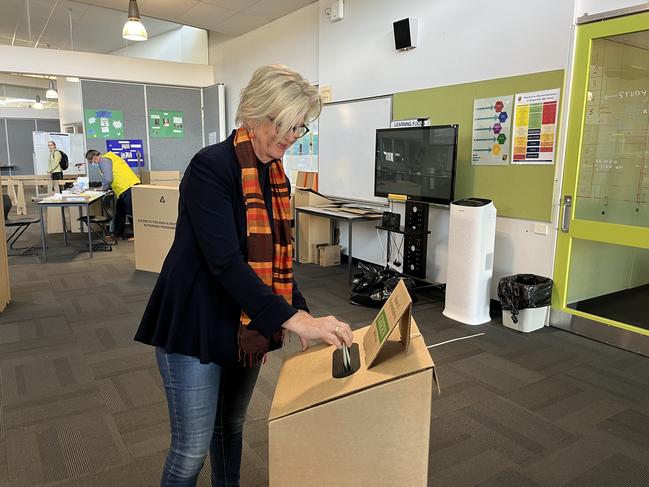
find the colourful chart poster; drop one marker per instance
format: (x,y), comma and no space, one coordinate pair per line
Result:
(535,127)
(492,130)
(104,124)
(166,124)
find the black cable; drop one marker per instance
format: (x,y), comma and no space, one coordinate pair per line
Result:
(399,251)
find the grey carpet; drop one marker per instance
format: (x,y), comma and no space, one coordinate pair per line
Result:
(81,404)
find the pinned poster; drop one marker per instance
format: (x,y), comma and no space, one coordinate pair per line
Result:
(166,124)
(104,124)
(132,151)
(492,130)
(535,127)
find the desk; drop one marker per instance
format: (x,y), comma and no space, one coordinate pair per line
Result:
(51,184)
(332,214)
(89,197)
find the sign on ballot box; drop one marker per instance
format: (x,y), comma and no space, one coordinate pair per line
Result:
(155,211)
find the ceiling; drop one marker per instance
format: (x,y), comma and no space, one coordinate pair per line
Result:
(635,39)
(97,24)
(94,29)
(230,17)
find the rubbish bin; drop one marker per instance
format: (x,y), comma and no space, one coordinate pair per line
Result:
(525,301)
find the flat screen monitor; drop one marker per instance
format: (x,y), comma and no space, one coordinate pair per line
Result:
(418,162)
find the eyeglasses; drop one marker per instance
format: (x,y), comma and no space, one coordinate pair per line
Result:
(298,131)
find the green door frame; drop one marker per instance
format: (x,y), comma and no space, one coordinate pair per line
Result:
(583,229)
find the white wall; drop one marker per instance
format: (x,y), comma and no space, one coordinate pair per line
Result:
(103,66)
(183,45)
(70,102)
(291,40)
(29,113)
(459,41)
(591,7)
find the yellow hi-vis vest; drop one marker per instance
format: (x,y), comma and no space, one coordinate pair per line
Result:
(123,175)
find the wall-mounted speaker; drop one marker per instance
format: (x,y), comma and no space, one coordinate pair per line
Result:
(405,34)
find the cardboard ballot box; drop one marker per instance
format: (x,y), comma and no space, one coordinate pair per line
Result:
(155,211)
(368,428)
(160,178)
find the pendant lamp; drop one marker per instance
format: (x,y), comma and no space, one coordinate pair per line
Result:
(51,92)
(134,29)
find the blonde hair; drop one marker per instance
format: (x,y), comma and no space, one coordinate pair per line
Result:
(281,94)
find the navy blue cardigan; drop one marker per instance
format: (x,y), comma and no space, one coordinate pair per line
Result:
(205,281)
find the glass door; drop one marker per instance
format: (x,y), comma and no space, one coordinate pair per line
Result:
(602,261)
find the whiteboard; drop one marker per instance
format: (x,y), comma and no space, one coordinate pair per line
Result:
(347,141)
(71,144)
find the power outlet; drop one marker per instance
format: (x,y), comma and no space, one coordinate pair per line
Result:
(337,11)
(541,228)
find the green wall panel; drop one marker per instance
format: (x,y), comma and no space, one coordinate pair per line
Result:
(518,191)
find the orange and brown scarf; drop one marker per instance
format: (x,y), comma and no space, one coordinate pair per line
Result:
(270,249)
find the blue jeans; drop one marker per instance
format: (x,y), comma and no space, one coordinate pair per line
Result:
(207,409)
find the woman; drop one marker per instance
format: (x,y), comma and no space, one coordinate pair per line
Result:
(54,161)
(226,295)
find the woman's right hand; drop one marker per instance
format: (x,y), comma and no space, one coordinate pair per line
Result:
(327,329)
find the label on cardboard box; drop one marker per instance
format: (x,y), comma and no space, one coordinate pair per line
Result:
(396,311)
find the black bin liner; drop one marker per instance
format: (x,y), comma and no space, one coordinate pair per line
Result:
(522,291)
(373,285)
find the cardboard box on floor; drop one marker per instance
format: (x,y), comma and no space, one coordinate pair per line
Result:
(72,215)
(155,211)
(328,255)
(313,229)
(369,428)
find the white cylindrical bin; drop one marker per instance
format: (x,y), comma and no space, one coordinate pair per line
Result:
(471,238)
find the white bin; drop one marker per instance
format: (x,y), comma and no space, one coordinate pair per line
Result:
(529,319)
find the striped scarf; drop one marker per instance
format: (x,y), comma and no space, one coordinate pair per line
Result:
(270,249)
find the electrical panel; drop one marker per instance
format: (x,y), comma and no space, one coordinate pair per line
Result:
(417,216)
(414,255)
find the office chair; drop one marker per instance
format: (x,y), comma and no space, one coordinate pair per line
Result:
(20,225)
(102,222)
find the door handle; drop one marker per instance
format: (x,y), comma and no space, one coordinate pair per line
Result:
(567,210)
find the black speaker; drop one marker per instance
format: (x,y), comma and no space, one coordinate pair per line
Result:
(405,34)
(391,220)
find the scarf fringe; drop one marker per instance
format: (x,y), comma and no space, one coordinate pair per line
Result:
(251,359)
